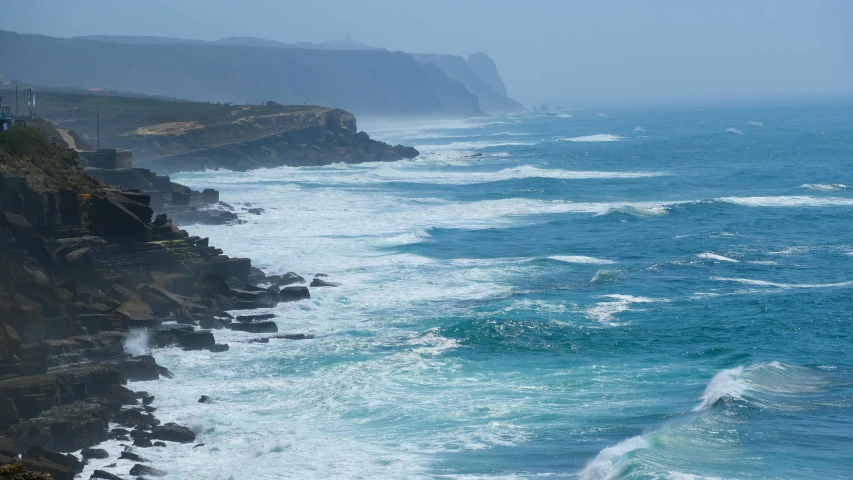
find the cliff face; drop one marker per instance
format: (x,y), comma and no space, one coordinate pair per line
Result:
(82,267)
(373,82)
(479,75)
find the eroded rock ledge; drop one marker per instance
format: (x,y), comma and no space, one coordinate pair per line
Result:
(82,268)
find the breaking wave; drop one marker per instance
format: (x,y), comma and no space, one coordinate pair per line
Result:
(601,137)
(734,130)
(581,259)
(714,256)
(825,187)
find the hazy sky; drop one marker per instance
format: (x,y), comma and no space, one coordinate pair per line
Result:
(546,50)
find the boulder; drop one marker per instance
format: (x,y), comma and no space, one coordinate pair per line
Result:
(135,417)
(205,399)
(322,283)
(140,469)
(294,336)
(104,475)
(254,318)
(293,294)
(96,453)
(142,443)
(255,327)
(8,448)
(138,314)
(140,368)
(219,347)
(173,432)
(195,340)
(209,195)
(132,456)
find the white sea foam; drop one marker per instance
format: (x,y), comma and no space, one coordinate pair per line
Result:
(604,312)
(639,129)
(763,283)
(602,115)
(714,256)
(734,130)
(789,201)
(755,124)
(581,259)
(825,187)
(136,342)
(601,137)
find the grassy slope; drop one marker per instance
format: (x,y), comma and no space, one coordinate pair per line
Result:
(121,116)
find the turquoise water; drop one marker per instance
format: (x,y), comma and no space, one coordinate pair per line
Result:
(596,294)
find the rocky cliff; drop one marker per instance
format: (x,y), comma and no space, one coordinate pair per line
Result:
(168,135)
(374,82)
(479,75)
(83,268)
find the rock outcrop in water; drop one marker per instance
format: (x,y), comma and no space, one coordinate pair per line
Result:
(84,270)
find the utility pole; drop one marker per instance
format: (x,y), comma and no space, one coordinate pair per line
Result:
(98,120)
(31,103)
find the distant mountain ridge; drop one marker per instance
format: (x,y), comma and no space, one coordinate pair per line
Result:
(343,74)
(241,41)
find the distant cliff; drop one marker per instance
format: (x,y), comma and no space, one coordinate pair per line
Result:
(371,82)
(479,75)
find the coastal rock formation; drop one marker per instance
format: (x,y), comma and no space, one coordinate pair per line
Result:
(87,273)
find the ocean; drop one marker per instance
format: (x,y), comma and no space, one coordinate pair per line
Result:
(594,294)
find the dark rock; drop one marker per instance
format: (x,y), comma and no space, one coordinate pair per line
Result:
(173,432)
(16,471)
(219,347)
(254,318)
(8,413)
(160,220)
(294,294)
(10,343)
(259,340)
(64,428)
(41,464)
(209,195)
(142,443)
(140,368)
(146,400)
(149,409)
(133,417)
(8,448)
(205,399)
(214,284)
(255,211)
(139,434)
(195,340)
(132,456)
(140,469)
(322,283)
(198,445)
(97,453)
(294,336)
(97,377)
(64,459)
(159,444)
(104,475)
(210,323)
(118,432)
(256,327)
(32,395)
(289,278)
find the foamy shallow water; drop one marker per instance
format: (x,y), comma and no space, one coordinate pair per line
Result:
(567,309)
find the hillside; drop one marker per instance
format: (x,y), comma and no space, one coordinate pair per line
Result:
(371,82)
(491,92)
(170,135)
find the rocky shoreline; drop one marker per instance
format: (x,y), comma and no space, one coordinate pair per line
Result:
(86,268)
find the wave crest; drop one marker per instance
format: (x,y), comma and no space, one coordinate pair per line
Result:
(601,137)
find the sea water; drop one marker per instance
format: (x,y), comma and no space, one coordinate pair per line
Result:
(594,295)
